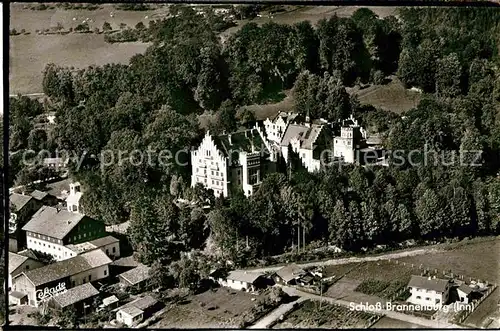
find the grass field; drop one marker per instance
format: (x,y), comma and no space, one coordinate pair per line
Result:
(391,97)
(219,309)
(30,53)
(308,314)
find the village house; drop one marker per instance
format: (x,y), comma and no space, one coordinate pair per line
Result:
(136,311)
(465,293)
(292,274)
(234,161)
(23,207)
(51,229)
(275,129)
(429,291)
(109,245)
(110,302)
(19,263)
(43,283)
(80,298)
(44,198)
(135,278)
(57,163)
(240,280)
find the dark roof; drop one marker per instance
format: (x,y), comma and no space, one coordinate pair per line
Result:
(100,242)
(29,253)
(240,141)
(19,200)
(290,272)
(56,188)
(39,195)
(435,284)
(127,261)
(140,303)
(464,288)
(15,261)
(136,275)
(307,135)
(53,222)
(244,276)
(69,267)
(76,294)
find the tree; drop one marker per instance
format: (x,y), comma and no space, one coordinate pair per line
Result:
(140,26)
(448,76)
(153,228)
(106,27)
(247,117)
(227,117)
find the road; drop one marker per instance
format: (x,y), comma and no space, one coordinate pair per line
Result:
(273,316)
(387,256)
(426,323)
(27,95)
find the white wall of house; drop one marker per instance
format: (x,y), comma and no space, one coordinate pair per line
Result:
(89,276)
(45,245)
(235,284)
(128,320)
(428,298)
(344,146)
(29,264)
(462,297)
(275,129)
(73,199)
(209,167)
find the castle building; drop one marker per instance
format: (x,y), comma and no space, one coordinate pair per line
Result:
(352,138)
(238,160)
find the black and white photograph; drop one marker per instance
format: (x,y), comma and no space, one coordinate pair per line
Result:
(253,165)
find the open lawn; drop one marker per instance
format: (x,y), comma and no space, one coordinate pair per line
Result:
(308,314)
(391,97)
(221,308)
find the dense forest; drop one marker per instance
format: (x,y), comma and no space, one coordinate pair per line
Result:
(154,101)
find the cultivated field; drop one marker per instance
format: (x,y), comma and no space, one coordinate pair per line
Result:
(308,314)
(30,53)
(389,323)
(220,309)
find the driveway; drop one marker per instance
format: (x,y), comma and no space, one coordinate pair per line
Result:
(273,316)
(388,256)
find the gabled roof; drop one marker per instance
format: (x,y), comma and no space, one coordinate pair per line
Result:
(52,222)
(244,276)
(136,275)
(109,300)
(19,200)
(132,311)
(291,272)
(307,135)
(434,284)
(140,303)
(15,261)
(76,294)
(249,141)
(466,289)
(69,267)
(100,242)
(39,195)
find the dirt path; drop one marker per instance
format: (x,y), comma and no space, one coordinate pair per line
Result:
(389,313)
(273,316)
(387,256)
